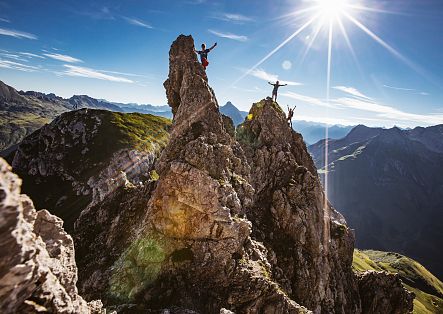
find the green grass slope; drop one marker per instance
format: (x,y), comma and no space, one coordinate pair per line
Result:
(427,288)
(106,133)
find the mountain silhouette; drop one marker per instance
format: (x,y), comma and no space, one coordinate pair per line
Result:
(387,184)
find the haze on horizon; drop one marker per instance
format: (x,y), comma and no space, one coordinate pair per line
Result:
(119,52)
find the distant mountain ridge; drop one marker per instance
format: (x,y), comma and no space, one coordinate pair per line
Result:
(388,184)
(234,113)
(23,112)
(15,129)
(313,132)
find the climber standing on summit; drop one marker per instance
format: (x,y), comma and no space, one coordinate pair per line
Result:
(290,115)
(275,90)
(204,54)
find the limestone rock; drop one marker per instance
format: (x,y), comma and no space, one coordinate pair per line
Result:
(186,242)
(382,292)
(243,227)
(310,240)
(37,267)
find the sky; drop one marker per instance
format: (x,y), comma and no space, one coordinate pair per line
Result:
(387,70)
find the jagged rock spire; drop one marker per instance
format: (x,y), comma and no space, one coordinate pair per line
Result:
(241,227)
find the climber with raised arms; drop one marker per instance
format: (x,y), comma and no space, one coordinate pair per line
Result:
(204,54)
(290,115)
(275,90)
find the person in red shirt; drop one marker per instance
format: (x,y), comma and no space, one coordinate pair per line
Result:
(204,54)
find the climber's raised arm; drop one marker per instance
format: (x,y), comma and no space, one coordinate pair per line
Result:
(213,46)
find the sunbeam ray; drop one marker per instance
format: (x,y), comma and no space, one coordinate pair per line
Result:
(374,10)
(349,44)
(297,13)
(326,209)
(311,42)
(388,47)
(276,49)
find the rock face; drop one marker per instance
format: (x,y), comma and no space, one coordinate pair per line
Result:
(85,155)
(310,242)
(225,226)
(37,266)
(189,245)
(382,292)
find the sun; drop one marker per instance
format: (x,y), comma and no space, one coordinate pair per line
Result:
(331,10)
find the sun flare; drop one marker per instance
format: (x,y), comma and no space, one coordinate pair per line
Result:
(332,10)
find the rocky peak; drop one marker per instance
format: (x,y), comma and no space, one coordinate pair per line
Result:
(84,155)
(7,93)
(230,105)
(183,65)
(38,273)
(362,132)
(266,125)
(193,230)
(42,96)
(292,218)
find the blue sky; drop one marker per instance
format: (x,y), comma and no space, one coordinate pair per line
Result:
(119,52)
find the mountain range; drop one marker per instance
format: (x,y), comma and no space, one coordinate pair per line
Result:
(21,113)
(389,185)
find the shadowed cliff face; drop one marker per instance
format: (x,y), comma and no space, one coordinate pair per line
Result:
(37,267)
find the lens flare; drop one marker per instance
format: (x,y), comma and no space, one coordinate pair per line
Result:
(328,15)
(331,10)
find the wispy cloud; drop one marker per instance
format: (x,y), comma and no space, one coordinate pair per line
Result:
(137,22)
(195,1)
(31,55)
(228,35)
(16,34)
(399,88)
(233,17)
(381,113)
(104,13)
(17,66)
(4,20)
(124,73)
(13,56)
(269,77)
(308,99)
(389,112)
(412,90)
(73,70)
(61,57)
(352,91)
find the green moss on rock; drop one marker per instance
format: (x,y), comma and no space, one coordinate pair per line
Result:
(137,267)
(427,288)
(84,154)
